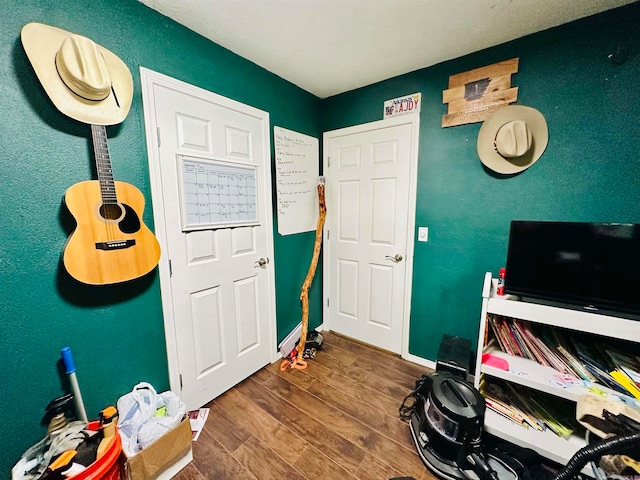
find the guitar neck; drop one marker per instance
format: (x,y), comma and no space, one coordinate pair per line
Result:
(103,164)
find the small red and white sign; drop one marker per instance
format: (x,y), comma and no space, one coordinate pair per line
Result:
(402,105)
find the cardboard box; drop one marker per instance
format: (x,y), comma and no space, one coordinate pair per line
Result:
(164,458)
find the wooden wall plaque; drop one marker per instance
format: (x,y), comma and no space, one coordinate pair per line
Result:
(474,95)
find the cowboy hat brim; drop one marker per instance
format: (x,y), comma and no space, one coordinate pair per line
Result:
(487,135)
(41,43)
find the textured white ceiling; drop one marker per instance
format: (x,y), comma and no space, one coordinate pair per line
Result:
(331,46)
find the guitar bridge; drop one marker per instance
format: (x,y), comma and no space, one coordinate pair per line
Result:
(115,244)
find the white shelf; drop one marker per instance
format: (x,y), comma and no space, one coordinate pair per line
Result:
(595,323)
(529,373)
(546,443)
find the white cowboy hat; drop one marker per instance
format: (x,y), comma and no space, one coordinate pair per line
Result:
(84,80)
(512,139)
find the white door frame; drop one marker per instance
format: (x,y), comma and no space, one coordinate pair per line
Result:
(148,79)
(412,119)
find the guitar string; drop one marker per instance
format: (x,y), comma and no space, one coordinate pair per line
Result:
(105,179)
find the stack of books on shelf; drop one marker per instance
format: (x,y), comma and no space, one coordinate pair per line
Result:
(529,408)
(588,358)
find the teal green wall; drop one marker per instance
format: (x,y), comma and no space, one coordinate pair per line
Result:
(589,172)
(116,333)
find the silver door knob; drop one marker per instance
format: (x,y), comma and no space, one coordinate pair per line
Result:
(262,262)
(397,258)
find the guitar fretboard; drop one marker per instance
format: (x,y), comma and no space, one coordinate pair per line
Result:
(103,164)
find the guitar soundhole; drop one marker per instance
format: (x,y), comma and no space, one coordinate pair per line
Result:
(110,211)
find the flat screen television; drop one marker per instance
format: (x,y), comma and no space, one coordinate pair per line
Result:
(592,266)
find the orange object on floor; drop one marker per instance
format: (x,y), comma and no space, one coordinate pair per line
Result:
(107,467)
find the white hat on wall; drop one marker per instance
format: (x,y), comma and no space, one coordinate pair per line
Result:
(512,139)
(83,80)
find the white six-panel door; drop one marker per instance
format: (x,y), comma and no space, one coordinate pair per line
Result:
(370,171)
(217,283)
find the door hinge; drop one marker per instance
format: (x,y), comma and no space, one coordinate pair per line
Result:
(328,162)
(327,302)
(328,234)
(180,381)
(170,269)
(158,133)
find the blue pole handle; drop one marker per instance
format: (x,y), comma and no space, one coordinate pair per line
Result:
(67,358)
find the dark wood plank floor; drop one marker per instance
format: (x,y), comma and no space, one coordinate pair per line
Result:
(338,419)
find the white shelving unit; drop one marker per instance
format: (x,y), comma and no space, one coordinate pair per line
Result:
(529,373)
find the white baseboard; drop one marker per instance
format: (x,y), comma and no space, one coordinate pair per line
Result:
(420,361)
(287,345)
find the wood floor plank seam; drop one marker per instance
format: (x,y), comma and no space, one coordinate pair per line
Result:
(362,393)
(390,452)
(312,413)
(263,425)
(398,424)
(336,419)
(411,450)
(362,376)
(380,356)
(317,391)
(349,454)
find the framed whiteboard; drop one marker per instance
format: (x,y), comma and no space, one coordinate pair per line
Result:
(216,194)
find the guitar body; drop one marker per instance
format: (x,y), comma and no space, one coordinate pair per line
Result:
(110,243)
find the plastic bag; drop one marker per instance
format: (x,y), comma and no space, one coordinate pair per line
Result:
(37,458)
(139,420)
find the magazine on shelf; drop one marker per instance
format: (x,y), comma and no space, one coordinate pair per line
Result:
(623,379)
(635,376)
(522,340)
(595,364)
(558,421)
(623,358)
(533,341)
(562,346)
(507,337)
(589,361)
(496,334)
(525,406)
(505,410)
(557,361)
(587,355)
(529,408)
(628,362)
(576,365)
(496,401)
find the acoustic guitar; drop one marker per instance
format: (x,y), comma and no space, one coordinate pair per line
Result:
(110,243)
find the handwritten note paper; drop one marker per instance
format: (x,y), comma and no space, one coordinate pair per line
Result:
(297,159)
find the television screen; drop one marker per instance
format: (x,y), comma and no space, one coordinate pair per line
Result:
(592,265)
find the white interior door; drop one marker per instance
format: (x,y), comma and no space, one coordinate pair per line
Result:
(218,289)
(371,177)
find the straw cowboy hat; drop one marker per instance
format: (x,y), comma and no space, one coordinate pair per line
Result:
(84,80)
(512,139)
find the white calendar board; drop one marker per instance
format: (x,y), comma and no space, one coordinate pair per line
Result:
(297,159)
(216,194)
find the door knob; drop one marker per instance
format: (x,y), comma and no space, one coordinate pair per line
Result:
(262,262)
(397,258)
